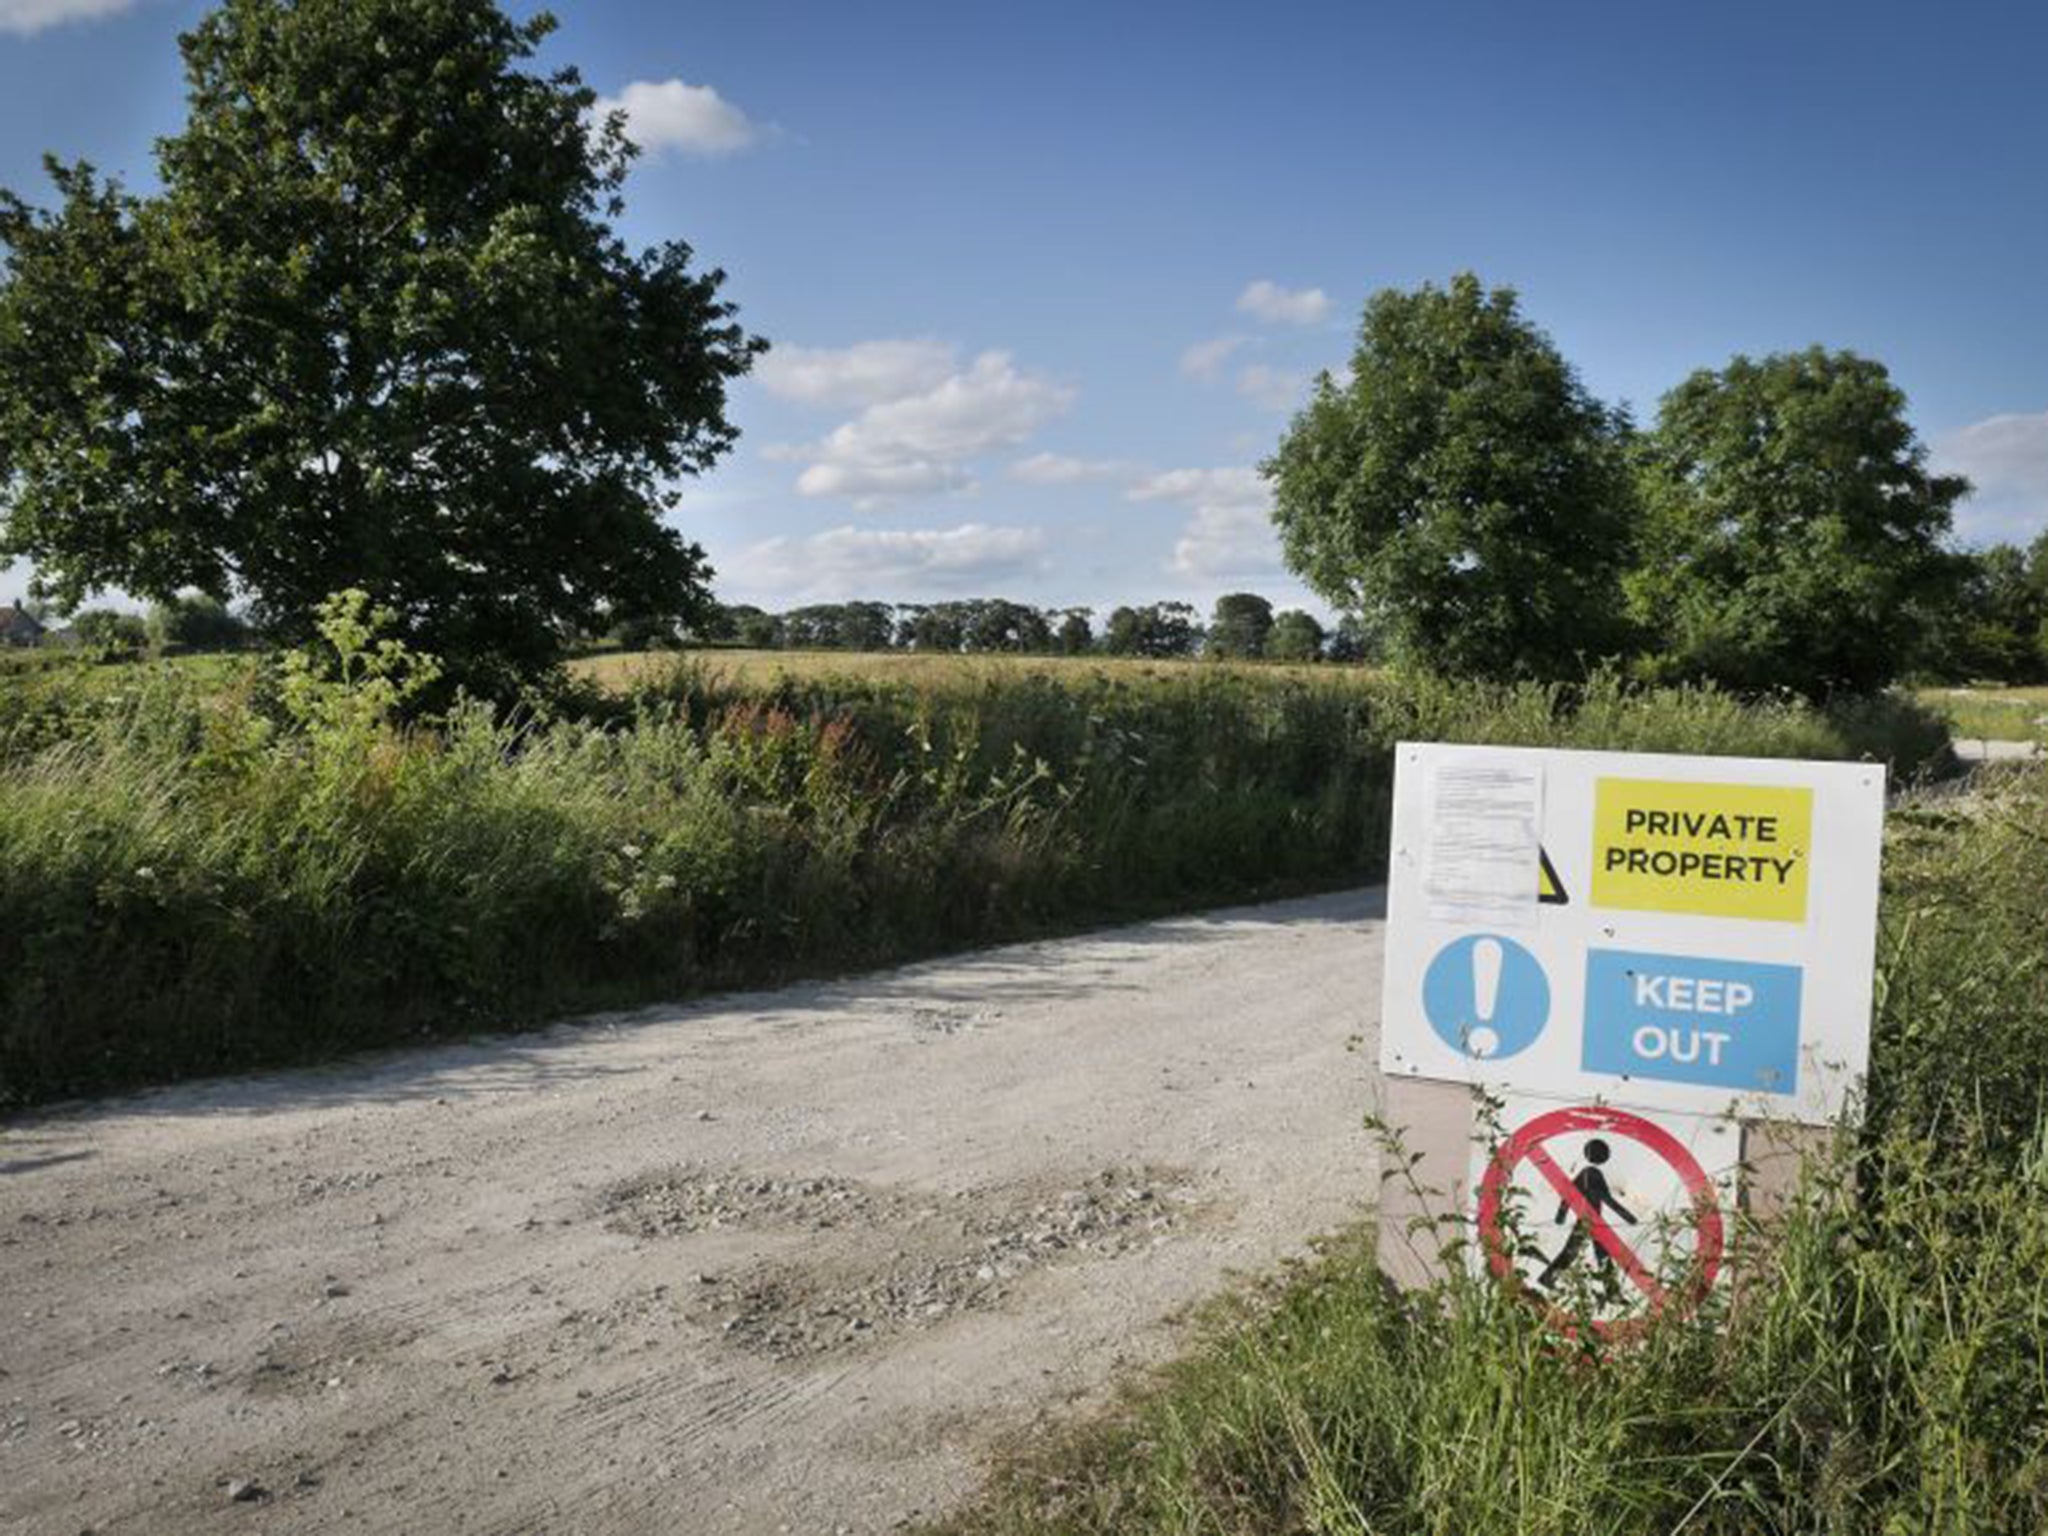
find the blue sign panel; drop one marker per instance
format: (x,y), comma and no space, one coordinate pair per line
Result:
(1486,996)
(1686,1019)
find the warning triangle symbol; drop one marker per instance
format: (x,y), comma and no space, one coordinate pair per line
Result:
(1549,889)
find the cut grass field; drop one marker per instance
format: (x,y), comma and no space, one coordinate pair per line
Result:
(623,671)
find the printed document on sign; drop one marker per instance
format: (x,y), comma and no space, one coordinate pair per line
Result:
(1483,854)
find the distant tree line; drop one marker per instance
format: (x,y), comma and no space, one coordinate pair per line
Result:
(1243,626)
(1994,625)
(187,624)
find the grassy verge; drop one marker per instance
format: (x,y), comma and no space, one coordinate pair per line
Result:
(1886,1372)
(201,870)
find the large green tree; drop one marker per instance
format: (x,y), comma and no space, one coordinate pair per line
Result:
(377,330)
(1156,629)
(1295,636)
(1075,635)
(1792,534)
(997,624)
(1462,489)
(1239,625)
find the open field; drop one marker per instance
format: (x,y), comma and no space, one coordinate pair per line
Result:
(625,670)
(1989,712)
(1997,713)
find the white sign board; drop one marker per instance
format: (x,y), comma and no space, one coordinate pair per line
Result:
(1673,933)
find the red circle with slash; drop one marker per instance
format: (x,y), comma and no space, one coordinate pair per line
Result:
(1527,1143)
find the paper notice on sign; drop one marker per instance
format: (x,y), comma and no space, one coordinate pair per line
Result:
(1483,856)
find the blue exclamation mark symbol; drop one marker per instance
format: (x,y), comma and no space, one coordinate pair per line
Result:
(1486,996)
(1481,1038)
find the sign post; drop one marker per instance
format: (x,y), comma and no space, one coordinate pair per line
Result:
(1659,967)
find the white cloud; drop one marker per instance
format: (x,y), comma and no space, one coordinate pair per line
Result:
(1239,484)
(2006,458)
(922,443)
(668,114)
(1205,359)
(1283,306)
(873,483)
(1059,469)
(1229,532)
(1275,389)
(885,563)
(28,17)
(866,373)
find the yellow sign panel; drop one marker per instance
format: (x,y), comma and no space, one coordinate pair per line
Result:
(1714,850)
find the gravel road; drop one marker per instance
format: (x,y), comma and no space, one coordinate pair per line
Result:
(781,1261)
(1977,749)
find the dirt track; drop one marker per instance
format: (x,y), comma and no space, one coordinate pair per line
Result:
(779,1261)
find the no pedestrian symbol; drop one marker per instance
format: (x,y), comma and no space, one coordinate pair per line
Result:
(1593,1221)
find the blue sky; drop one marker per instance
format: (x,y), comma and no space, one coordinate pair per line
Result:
(1045,281)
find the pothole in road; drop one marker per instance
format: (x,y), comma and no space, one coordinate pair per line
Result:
(945,1020)
(685,1200)
(918,1265)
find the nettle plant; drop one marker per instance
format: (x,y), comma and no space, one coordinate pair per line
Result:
(353,679)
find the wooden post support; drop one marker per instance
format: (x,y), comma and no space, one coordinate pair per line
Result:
(1435,1120)
(1775,1154)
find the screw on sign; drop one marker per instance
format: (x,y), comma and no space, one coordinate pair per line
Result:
(1588,1200)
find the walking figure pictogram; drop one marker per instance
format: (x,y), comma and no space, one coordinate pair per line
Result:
(1696,1217)
(1590,1182)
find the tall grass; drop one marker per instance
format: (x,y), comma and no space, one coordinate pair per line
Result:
(1883,1369)
(201,871)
